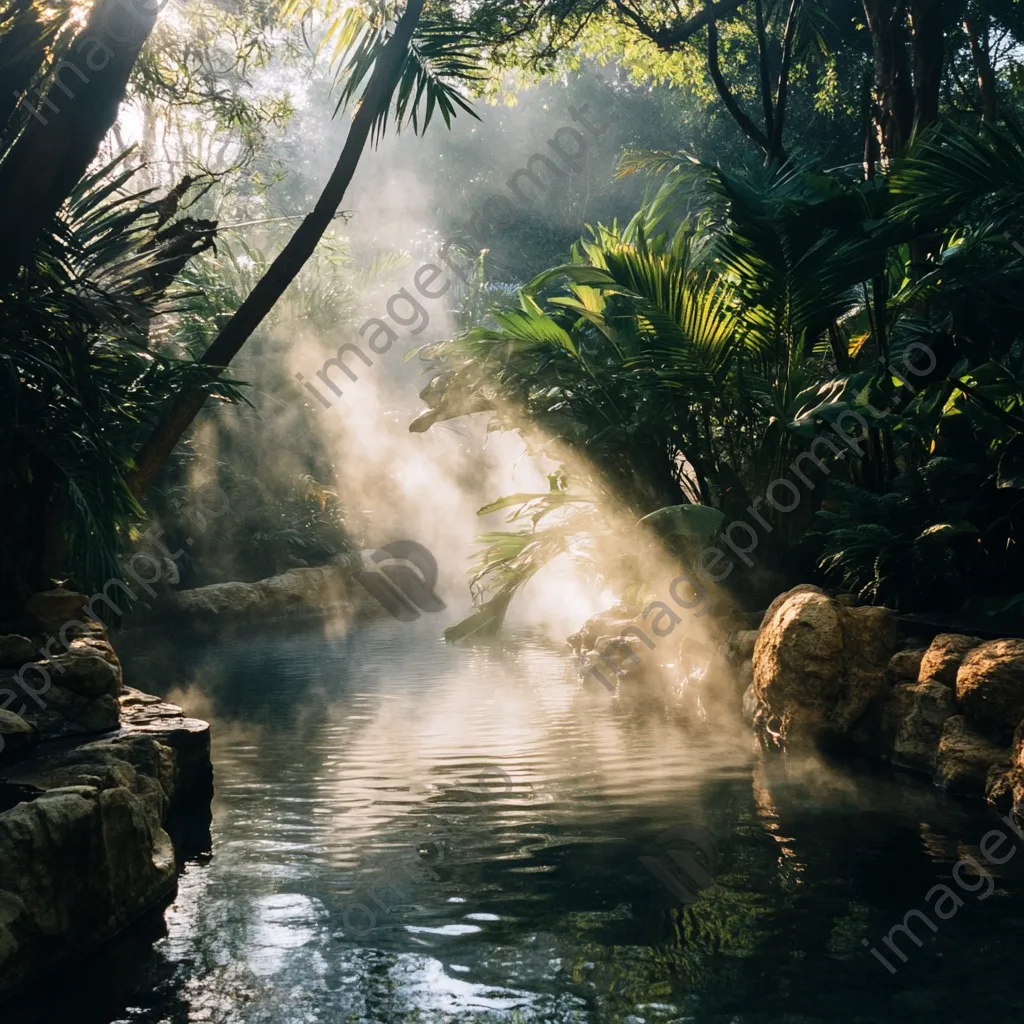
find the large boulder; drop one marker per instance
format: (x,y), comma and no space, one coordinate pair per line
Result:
(84,835)
(217,601)
(966,759)
(298,593)
(800,588)
(54,608)
(86,671)
(943,658)
(990,687)
(78,863)
(818,665)
(58,711)
(917,738)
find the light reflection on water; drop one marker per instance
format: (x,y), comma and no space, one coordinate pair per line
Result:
(337,759)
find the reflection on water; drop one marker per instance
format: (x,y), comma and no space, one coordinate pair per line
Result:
(408,831)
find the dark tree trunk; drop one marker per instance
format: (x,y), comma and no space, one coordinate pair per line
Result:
(926,25)
(22,52)
(894,95)
(288,263)
(976,26)
(64,133)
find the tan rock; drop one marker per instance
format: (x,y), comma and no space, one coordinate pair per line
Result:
(610,622)
(818,665)
(917,739)
(629,654)
(905,666)
(55,607)
(63,712)
(83,850)
(877,730)
(943,657)
(990,687)
(800,588)
(966,757)
(86,671)
(76,866)
(1001,785)
(98,645)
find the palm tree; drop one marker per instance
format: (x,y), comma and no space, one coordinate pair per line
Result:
(412,67)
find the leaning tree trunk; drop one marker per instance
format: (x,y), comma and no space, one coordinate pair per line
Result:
(66,125)
(289,262)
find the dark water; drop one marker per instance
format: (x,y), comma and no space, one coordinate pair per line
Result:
(532,797)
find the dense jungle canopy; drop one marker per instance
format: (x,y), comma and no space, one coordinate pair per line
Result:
(800,243)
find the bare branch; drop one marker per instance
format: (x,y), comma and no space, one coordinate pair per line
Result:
(739,116)
(783,90)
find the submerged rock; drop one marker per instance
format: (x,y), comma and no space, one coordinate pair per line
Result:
(990,687)
(818,665)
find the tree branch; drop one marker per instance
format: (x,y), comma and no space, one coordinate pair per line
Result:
(739,116)
(670,38)
(762,65)
(782,94)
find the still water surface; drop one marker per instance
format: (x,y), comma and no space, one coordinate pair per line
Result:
(532,796)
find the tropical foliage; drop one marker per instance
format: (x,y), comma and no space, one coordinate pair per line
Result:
(739,325)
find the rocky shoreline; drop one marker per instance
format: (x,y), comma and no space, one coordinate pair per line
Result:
(101,787)
(819,672)
(828,675)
